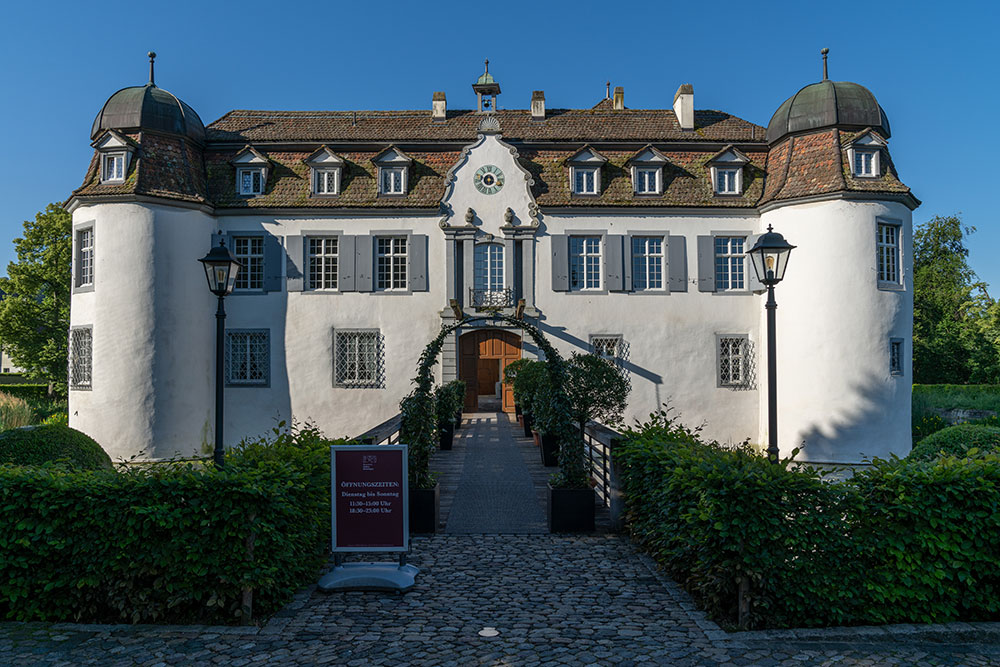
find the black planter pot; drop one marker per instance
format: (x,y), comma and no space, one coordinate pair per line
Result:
(425,509)
(550,450)
(446,435)
(458,420)
(571,510)
(526,418)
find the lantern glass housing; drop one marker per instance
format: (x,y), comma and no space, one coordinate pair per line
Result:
(221,269)
(770,257)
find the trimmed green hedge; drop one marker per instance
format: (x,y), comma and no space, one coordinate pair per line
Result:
(29,392)
(35,445)
(166,543)
(957,441)
(903,541)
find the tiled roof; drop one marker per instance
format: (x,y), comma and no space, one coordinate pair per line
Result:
(593,125)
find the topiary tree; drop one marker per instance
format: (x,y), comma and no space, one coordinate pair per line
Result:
(35,445)
(596,389)
(957,441)
(528,379)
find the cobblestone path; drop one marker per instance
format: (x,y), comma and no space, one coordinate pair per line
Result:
(495,493)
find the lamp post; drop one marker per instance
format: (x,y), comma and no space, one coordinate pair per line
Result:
(221,268)
(770,258)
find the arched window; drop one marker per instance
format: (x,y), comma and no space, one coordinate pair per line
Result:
(488,267)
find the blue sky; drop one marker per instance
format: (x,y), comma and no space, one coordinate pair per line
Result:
(932,66)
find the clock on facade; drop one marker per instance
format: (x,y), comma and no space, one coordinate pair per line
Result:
(488,179)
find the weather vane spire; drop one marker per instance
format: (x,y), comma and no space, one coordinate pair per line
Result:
(824,51)
(152,57)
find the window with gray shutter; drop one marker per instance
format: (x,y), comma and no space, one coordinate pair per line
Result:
(560,262)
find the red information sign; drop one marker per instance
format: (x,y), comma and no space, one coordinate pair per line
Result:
(370,498)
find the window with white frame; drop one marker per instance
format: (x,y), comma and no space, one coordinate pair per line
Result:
(607,347)
(326,181)
(727,181)
(391,263)
(113,168)
(250,180)
(586,180)
(250,251)
(488,267)
(358,358)
(323,256)
(647,181)
(248,357)
(648,260)
(730,263)
(85,257)
(392,180)
(585,262)
(865,163)
(895,356)
(734,360)
(81,342)
(888,253)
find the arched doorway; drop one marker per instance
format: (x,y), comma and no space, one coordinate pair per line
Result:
(483,356)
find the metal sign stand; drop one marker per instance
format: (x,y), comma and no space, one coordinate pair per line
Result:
(369,576)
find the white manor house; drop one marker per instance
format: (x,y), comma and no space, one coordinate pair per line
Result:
(624,232)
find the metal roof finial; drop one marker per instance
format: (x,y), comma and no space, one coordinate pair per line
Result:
(824,51)
(487,63)
(607,92)
(152,57)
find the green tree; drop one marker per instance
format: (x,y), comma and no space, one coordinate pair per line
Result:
(34,314)
(954,318)
(597,390)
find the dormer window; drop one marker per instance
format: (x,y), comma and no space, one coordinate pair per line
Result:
(115,154)
(727,171)
(647,171)
(326,168)
(251,171)
(585,172)
(393,171)
(864,153)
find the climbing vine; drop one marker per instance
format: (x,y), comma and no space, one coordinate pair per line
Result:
(419,423)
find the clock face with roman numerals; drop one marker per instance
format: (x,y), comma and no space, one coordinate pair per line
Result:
(488,179)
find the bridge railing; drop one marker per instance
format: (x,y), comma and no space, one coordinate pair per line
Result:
(386,433)
(599,443)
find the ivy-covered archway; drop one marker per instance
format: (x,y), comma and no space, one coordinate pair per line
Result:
(419,420)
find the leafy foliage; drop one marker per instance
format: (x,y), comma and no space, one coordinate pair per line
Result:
(14,412)
(33,393)
(166,543)
(597,390)
(904,541)
(35,445)
(34,314)
(957,441)
(449,399)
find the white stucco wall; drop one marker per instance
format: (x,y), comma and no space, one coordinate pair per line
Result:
(837,400)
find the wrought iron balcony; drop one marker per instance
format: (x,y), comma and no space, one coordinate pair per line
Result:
(491,299)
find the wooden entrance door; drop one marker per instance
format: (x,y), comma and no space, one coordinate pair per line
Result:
(482,356)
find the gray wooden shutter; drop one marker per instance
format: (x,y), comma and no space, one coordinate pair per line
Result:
(677,263)
(560,262)
(418,263)
(706,264)
(272,263)
(345,264)
(627,255)
(613,270)
(295,263)
(753,283)
(363,263)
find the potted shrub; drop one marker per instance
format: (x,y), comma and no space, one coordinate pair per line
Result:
(510,378)
(418,429)
(458,391)
(444,402)
(544,422)
(597,390)
(528,375)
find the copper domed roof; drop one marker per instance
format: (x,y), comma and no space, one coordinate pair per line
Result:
(826,104)
(148,108)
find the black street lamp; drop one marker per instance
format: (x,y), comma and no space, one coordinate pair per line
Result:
(220,269)
(770,258)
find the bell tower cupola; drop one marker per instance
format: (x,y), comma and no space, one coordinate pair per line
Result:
(487,90)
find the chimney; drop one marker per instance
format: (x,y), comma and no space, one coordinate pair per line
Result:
(439,107)
(618,103)
(538,105)
(684,106)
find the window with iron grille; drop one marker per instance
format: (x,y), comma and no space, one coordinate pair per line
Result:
(323,262)
(647,263)
(85,257)
(358,357)
(488,266)
(390,262)
(888,253)
(607,347)
(730,263)
(250,251)
(734,360)
(81,342)
(251,181)
(584,262)
(895,356)
(248,357)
